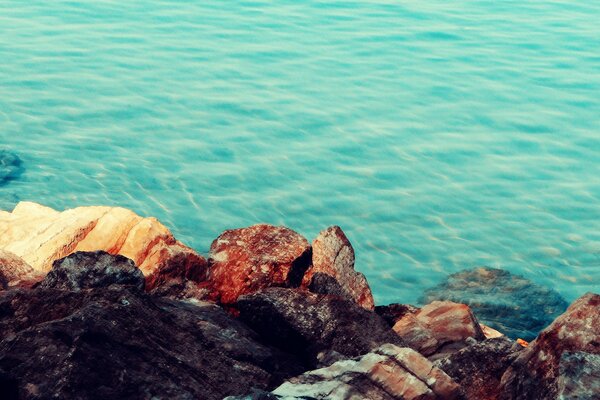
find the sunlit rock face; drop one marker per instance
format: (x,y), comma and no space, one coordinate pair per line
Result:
(563,361)
(14,271)
(509,303)
(41,235)
(11,166)
(245,260)
(333,255)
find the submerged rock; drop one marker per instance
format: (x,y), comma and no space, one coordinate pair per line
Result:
(313,326)
(41,235)
(563,361)
(506,302)
(11,166)
(86,270)
(478,368)
(438,328)
(333,255)
(117,342)
(387,373)
(246,260)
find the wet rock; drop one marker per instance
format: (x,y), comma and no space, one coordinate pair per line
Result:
(13,270)
(387,373)
(41,235)
(333,255)
(120,343)
(11,166)
(308,324)
(506,302)
(393,312)
(86,270)
(562,359)
(438,328)
(478,368)
(246,260)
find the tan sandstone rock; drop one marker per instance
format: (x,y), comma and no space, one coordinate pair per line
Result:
(245,260)
(333,255)
(41,235)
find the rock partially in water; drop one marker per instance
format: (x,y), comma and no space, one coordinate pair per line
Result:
(563,359)
(11,166)
(388,372)
(478,368)
(333,255)
(246,260)
(439,328)
(506,302)
(117,342)
(313,326)
(86,270)
(41,235)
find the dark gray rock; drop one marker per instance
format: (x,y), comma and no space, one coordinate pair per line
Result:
(321,283)
(85,270)
(579,376)
(509,303)
(309,324)
(11,166)
(478,368)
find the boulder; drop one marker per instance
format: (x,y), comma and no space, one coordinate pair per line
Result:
(478,368)
(563,360)
(315,327)
(11,166)
(333,255)
(41,235)
(394,312)
(14,271)
(117,342)
(506,302)
(86,270)
(246,260)
(438,328)
(387,373)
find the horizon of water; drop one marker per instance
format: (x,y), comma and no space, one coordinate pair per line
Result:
(439,135)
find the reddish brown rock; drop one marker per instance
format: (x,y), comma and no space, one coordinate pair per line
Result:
(439,327)
(41,235)
(245,260)
(333,255)
(14,271)
(563,361)
(387,373)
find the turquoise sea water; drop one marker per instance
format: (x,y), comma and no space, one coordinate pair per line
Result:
(440,135)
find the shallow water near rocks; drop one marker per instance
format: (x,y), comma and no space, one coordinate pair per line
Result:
(439,135)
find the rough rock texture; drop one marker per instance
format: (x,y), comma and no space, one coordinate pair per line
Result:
(478,368)
(86,270)
(506,302)
(332,254)
(387,373)
(561,359)
(312,325)
(13,270)
(321,283)
(11,166)
(41,235)
(393,312)
(117,342)
(439,327)
(245,260)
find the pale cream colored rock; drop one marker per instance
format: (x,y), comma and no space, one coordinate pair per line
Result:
(490,333)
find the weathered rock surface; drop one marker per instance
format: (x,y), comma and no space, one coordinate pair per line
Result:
(478,368)
(86,270)
(41,235)
(394,312)
(509,303)
(332,254)
(246,260)
(117,342)
(312,325)
(439,327)
(13,270)
(387,373)
(562,360)
(11,166)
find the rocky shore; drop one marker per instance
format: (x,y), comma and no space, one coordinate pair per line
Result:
(99,303)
